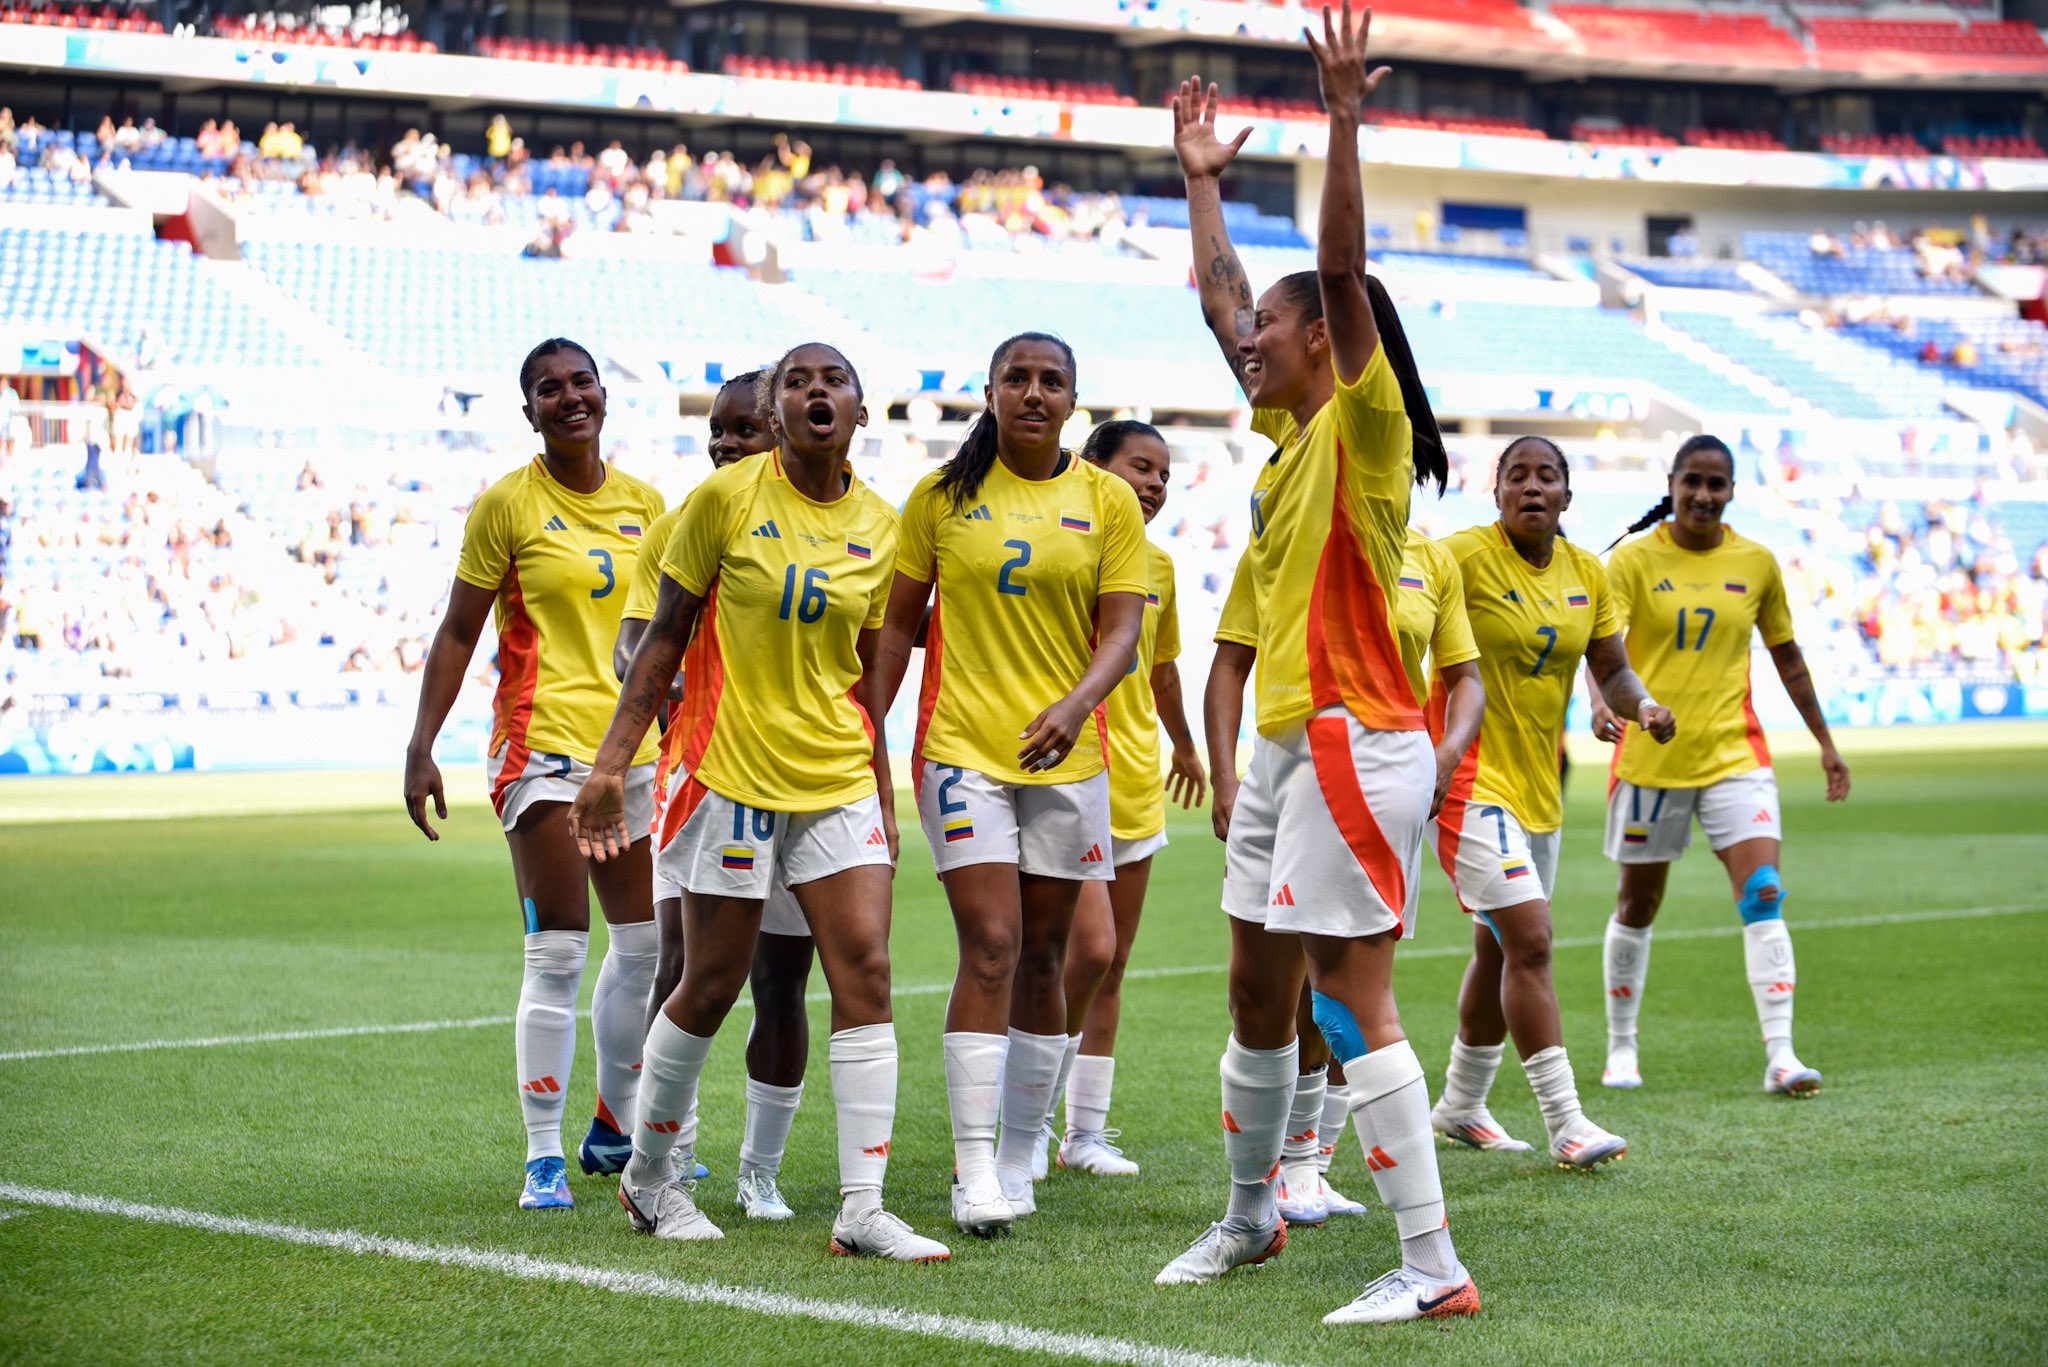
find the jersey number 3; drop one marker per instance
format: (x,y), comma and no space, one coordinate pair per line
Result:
(604,567)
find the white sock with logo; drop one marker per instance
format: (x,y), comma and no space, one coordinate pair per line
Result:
(864,1094)
(1773,977)
(1305,1118)
(1627,970)
(1258,1092)
(618,1018)
(671,1064)
(544,1033)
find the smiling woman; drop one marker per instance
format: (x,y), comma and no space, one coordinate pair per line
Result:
(553,545)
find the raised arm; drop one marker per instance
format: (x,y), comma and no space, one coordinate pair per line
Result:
(1340,233)
(440,683)
(1792,672)
(1219,276)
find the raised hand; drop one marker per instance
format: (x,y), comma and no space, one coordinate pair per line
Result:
(1340,62)
(1202,154)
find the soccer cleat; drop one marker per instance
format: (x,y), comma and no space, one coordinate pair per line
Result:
(1792,1078)
(1094,1153)
(1586,1146)
(604,1149)
(547,1186)
(667,1211)
(1475,1130)
(760,1198)
(1336,1202)
(1299,1194)
(982,1211)
(1016,1187)
(1040,1167)
(875,1233)
(1222,1247)
(1621,1069)
(1401,1295)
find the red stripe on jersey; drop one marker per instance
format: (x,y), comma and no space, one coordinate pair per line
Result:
(1450,818)
(703,685)
(1329,744)
(677,814)
(1354,657)
(1755,727)
(518,676)
(928,686)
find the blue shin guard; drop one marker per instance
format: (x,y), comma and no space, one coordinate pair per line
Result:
(1753,905)
(1339,1027)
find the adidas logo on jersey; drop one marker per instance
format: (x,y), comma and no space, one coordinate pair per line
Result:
(768,529)
(1094,855)
(554,524)
(1511,596)
(1663,586)
(980,514)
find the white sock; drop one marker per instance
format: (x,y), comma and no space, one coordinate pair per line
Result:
(672,1062)
(974,1097)
(1088,1089)
(1557,1094)
(618,1019)
(771,1110)
(1027,1096)
(1305,1117)
(1258,1091)
(1336,1106)
(1469,1078)
(1628,968)
(864,1094)
(544,1033)
(1390,1107)
(1773,977)
(1059,1081)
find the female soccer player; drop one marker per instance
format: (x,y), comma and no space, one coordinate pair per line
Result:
(1039,561)
(780,565)
(1537,605)
(1106,920)
(553,544)
(1325,833)
(779,1042)
(1688,595)
(1435,636)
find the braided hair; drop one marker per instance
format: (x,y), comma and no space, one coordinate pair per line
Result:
(1704,441)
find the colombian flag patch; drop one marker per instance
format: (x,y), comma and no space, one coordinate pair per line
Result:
(1151,600)
(1518,869)
(1736,586)
(1076,522)
(1576,598)
(1411,581)
(629,529)
(1635,835)
(959,828)
(737,857)
(859,551)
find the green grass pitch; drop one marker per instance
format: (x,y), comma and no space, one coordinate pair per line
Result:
(1897,1217)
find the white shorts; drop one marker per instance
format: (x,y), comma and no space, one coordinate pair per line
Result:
(1491,860)
(1326,838)
(1051,830)
(1654,825)
(725,849)
(1122,851)
(557,778)
(780,915)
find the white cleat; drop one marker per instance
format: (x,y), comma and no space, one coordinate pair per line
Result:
(1401,1295)
(1622,1069)
(1040,1164)
(760,1198)
(667,1211)
(981,1210)
(1222,1247)
(875,1233)
(1336,1202)
(1094,1153)
(1792,1078)
(1016,1187)
(1586,1146)
(1475,1130)
(1299,1194)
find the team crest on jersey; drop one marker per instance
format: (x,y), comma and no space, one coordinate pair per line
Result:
(1075,522)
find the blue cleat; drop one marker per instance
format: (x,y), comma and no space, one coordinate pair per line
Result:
(604,1150)
(547,1186)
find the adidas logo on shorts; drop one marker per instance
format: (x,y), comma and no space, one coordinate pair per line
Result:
(1094,855)
(875,837)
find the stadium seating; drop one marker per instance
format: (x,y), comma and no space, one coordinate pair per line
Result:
(1859,270)
(836,73)
(1457,263)
(1690,273)
(1733,139)
(111,285)
(1697,35)
(578,54)
(250,29)
(1621,135)
(1851,42)
(1871,145)
(118,19)
(2011,353)
(1839,376)
(1994,145)
(35,185)
(1028,88)
(1248,227)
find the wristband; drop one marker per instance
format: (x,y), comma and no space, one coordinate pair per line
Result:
(1647,702)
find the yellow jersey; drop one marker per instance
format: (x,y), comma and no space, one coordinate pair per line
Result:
(1238,623)
(1532,627)
(645,590)
(1688,615)
(1018,570)
(559,562)
(1329,520)
(1429,613)
(768,716)
(1137,787)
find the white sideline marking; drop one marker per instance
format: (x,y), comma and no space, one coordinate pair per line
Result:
(989,1333)
(934,989)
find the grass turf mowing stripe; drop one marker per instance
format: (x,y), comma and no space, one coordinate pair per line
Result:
(1895,918)
(990,1333)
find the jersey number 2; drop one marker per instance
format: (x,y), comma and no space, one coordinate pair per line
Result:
(1015,562)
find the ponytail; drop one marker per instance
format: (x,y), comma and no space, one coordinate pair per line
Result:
(1703,441)
(1432,461)
(960,478)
